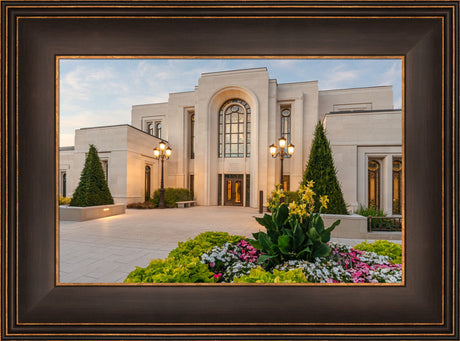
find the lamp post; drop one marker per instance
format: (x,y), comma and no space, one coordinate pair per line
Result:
(282,153)
(162,153)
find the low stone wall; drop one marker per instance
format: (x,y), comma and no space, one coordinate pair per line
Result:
(354,226)
(73,213)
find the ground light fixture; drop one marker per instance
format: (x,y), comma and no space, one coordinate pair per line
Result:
(282,153)
(162,153)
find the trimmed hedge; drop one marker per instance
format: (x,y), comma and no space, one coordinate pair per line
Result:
(142,205)
(92,189)
(321,170)
(172,195)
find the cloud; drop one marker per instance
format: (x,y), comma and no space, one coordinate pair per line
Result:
(101,92)
(338,77)
(392,75)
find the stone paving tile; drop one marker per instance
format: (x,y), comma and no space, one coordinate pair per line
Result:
(106,250)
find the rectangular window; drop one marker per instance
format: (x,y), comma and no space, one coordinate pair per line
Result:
(397,172)
(219,189)
(192,185)
(105,168)
(287,182)
(248,187)
(64,184)
(192,136)
(373,183)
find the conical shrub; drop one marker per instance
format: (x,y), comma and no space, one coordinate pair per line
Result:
(321,170)
(92,189)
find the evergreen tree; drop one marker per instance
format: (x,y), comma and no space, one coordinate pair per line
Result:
(92,189)
(321,170)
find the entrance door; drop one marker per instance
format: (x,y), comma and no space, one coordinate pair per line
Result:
(233,190)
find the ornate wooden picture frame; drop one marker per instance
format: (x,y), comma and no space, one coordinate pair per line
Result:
(425,33)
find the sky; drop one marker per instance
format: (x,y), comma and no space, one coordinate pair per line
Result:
(97,92)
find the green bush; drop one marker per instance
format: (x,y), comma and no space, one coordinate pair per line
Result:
(321,170)
(142,205)
(172,195)
(290,196)
(370,211)
(172,270)
(183,264)
(92,189)
(64,200)
(384,248)
(259,275)
(203,243)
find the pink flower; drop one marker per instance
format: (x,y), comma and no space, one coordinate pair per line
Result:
(211,264)
(217,275)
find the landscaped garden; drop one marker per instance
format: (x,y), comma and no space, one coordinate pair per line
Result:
(294,248)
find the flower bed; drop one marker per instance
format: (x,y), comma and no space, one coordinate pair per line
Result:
(234,260)
(294,249)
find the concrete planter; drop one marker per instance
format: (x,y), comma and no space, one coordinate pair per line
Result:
(74,213)
(354,226)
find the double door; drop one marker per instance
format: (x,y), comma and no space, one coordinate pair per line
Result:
(233,190)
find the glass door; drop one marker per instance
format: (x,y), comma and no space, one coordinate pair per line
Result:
(233,190)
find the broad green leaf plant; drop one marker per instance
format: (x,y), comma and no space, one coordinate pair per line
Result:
(294,231)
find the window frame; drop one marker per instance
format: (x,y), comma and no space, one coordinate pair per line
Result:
(245,134)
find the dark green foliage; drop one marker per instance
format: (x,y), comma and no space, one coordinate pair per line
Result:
(370,211)
(321,170)
(142,205)
(384,224)
(203,243)
(92,189)
(290,196)
(172,195)
(290,239)
(384,248)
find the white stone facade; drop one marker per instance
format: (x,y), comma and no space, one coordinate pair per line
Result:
(360,124)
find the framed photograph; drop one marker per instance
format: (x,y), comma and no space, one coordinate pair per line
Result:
(37,34)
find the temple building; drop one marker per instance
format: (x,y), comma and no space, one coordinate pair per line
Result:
(220,131)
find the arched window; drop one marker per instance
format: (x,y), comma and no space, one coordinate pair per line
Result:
(150,128)
(235,129)
(147,183)
(158,129)
(397,167)
(373,174)
(286,124)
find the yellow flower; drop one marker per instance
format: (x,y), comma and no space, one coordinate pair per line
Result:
(324,201)
(292,206)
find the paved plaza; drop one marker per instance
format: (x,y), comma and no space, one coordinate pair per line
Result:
(106,250)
